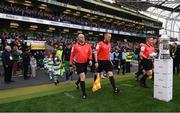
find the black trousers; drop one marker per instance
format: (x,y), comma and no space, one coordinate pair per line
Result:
(25,71)
(116,63)
(175,67)
(128,67)
(123,64)
(8,74)
(140,69)
(93,69)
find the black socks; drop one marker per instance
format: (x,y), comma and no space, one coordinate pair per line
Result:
(82,83)
(111,79)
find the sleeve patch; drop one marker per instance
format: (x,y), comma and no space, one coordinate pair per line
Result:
(142,48)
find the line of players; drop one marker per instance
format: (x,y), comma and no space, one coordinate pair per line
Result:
(61,62)
(57,63)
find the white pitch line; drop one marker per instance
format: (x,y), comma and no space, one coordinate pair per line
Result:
(68,95)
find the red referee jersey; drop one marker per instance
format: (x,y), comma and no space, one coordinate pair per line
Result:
(103,51)
(81,53)
(147,50)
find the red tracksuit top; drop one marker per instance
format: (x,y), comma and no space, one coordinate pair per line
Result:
(81,53)
(147,50)
(103,51)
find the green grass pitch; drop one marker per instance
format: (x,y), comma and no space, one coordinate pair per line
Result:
(65,98)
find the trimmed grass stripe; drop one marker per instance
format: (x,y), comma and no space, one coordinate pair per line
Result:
(16,94)
(48,98)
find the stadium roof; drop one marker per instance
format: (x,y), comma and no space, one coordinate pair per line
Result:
(166,11)
(169,5)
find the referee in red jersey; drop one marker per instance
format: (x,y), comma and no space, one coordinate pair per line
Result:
(82,53)
(147,61)
(102,59)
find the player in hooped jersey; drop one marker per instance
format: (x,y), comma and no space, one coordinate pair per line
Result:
(102,59)
(83,53)
(146,53)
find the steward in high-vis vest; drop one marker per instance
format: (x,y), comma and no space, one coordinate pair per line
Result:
(59,54)
(129,58)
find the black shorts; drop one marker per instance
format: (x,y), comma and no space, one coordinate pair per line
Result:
(105,65)
(81,67)
(147,64)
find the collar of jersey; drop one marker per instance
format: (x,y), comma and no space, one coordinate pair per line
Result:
(105,42)
(82,44)
(148,45)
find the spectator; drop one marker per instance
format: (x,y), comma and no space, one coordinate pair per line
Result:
(7,64)
(15,56)
(26,63)
(33,64)
(175,54)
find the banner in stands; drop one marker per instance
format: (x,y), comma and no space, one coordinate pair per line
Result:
(77,26)
(115,32)
(133,34)
(35,45)
(87,28)
(109,31)
(60,24)
(102,30)
(94,29)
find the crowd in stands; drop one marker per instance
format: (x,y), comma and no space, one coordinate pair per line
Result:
(67,18)
(23,57)
(51,40)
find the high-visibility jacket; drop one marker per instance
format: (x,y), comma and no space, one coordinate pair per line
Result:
(129,56)
(59,54)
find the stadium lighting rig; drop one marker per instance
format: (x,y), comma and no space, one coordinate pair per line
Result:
(26,1)
(49,30)
(90,33)
(110,1)
(52,28)
(78,12)
(11,1)
(67,10)
(14,24)
(66,30)
(27,4)
(34,26)
(100,34)
(79,31)
(85,16)
(43,6)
